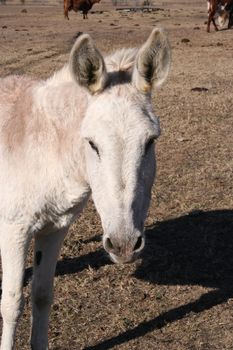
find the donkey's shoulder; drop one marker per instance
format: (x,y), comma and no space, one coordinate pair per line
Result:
(16,104)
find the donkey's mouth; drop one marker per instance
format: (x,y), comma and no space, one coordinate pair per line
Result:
(122,259)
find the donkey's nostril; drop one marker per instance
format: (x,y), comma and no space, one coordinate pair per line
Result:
(138,243)
(108,244)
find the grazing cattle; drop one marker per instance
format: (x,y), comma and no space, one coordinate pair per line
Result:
(220,9)
(78,5)
(88,129)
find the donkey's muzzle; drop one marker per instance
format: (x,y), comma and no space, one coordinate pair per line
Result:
(124,250)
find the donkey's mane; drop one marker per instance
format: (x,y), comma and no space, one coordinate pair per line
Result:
(119,61)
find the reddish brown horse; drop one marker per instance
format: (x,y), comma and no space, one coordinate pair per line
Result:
(223,9)
(78,5)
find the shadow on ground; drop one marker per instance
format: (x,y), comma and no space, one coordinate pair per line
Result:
(192,249)
(195,249)
(70,266)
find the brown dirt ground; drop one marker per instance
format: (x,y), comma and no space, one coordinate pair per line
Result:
(179,296)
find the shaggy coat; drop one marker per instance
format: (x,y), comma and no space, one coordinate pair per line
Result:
(89,129)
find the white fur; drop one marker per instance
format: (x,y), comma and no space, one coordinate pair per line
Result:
(48,168)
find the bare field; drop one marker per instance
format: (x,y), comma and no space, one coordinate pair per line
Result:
(179,295)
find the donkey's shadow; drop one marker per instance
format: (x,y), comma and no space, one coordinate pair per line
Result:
(192,249)
(68,266)
(195,249)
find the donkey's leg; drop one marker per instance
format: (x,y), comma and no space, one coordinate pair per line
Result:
(47,248)
(14,245)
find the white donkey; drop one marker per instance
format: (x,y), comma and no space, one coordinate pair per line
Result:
(88,129)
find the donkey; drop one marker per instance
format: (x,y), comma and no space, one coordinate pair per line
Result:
(90,128)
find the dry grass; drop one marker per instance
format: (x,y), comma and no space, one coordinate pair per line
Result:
(179,295)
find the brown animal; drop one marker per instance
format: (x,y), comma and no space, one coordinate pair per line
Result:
(78,5)
(222,9)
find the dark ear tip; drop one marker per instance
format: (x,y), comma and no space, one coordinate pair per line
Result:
(83,37)
(77,35)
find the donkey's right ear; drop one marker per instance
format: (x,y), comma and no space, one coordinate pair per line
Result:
(87,65)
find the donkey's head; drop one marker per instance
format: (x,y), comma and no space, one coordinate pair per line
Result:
(119,130)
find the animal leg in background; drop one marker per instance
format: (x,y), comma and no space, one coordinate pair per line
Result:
(14,243)
(47,249)
(67,6)
(230,23)
(211,18)
(229,8)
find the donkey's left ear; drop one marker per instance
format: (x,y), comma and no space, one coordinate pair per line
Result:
(152,63)
(87,65)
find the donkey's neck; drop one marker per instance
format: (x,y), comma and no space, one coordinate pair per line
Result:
(61,76)
(62,104)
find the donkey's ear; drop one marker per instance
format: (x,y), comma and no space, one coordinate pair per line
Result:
(152,62)
(87,65)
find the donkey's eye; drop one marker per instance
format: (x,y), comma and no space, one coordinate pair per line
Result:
(94,147)
(148,145)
